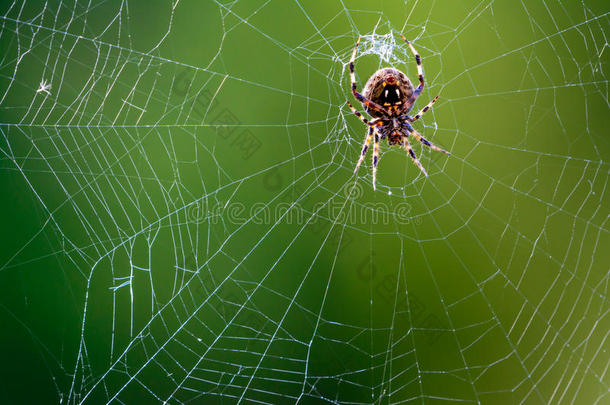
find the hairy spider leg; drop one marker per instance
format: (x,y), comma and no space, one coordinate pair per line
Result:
(368,103)
(359,115)
(423,140)
(365,147)
(375,160)
(409,149)
(420,72)
(423,111)
(372,124)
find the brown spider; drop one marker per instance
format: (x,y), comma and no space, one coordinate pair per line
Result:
(389,97)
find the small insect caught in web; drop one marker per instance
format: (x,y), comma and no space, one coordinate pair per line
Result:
(388,97)
(44,87)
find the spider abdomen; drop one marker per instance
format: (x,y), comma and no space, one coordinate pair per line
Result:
(388,87)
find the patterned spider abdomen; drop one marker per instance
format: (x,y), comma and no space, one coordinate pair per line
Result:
(388,87)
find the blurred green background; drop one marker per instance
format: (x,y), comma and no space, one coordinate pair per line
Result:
(181,222)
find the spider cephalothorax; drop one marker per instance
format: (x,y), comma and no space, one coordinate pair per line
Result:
(388,97)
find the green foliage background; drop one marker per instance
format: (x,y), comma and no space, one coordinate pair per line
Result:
(181,223)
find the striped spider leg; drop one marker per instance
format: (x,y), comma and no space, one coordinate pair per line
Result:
(422,111)
(409,149)
(420,72)
(365,101)
(372,133)
(423,140)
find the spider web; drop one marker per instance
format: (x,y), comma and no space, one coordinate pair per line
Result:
(183,225)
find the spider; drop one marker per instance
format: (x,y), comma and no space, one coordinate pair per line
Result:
(388,97)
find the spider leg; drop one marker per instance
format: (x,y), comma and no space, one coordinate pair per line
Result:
(420,72)
(375,160)
(423,110)
(423,140)
(365,147)
(371,124)
(359,115)
(370,104)
(409,149)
